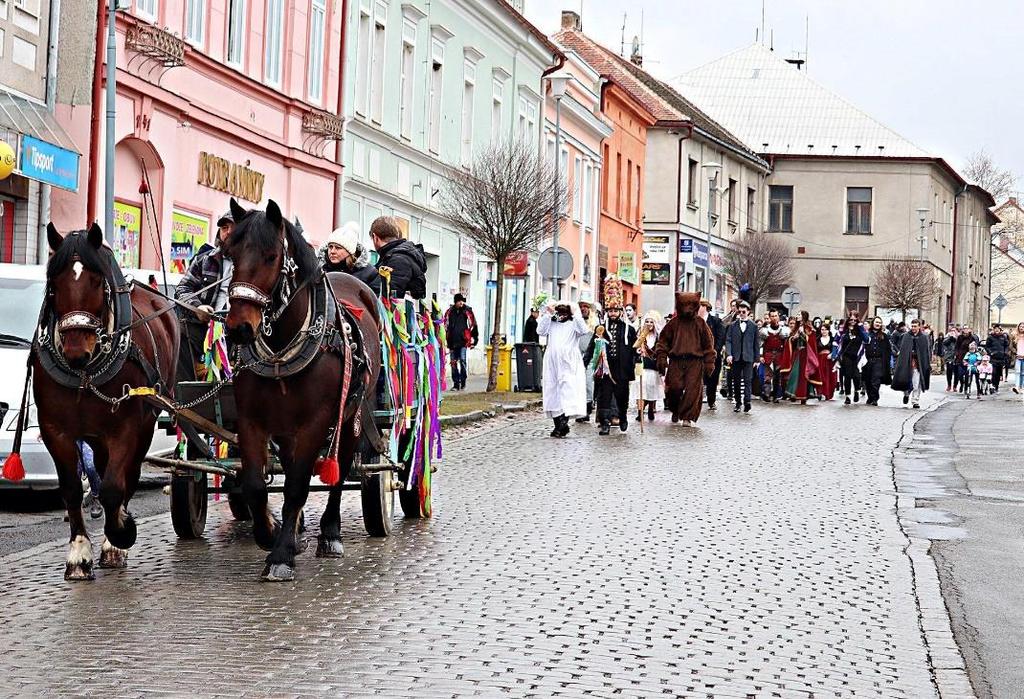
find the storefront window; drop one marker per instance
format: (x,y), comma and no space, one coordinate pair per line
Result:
(127,234)
(188,233)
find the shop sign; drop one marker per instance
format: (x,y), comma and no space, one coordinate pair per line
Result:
(656,249)
(700,254)
(467,255)
(516,264)
(627,267)
(48,163)
(717,263)
(224,176)
(656,273)
(127,233)
(188,233)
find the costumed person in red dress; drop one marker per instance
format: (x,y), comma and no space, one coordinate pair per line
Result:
(685,354)
(824,345)
(798,365)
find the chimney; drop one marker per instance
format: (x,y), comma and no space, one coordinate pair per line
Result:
(571,21)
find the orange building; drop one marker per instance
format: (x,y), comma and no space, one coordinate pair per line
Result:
(623,160)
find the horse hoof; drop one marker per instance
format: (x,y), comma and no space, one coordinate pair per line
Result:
(123,537)
(113,558)
(278,572)
(329,548)
(76,572)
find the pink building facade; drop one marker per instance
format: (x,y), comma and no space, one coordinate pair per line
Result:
(215,98)
(583,128)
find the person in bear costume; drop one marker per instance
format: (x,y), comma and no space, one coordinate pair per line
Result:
(686,355)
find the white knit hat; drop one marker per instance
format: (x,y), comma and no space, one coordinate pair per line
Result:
(347,237)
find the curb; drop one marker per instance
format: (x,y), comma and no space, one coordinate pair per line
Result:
(480,415)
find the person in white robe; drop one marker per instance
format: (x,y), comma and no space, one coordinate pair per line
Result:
(564,382)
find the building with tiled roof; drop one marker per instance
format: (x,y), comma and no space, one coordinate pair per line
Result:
(680,204)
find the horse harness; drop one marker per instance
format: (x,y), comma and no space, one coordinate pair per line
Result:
(114,343)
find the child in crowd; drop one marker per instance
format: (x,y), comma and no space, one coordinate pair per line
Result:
(971,361)
(984,375)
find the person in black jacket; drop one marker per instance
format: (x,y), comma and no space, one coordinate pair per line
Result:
(741,351)
(530,333)
(998,346)
(877,351)
(718,332)
(344,253)
(404,261)
(851,346)
(462,334)
(622,360)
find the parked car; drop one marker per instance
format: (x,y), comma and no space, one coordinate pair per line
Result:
(21,296)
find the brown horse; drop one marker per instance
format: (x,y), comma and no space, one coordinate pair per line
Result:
(85,353)
(299,331)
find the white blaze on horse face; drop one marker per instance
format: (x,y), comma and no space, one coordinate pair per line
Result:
(77,269)
(80,551)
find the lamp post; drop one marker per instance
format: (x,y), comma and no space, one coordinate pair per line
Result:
(558,84)
(712,169)
(108,167)
(922,214)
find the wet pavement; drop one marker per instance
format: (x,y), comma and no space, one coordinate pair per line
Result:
(755,555)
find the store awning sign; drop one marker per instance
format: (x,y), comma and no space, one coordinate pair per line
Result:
(48,163)
(700,254)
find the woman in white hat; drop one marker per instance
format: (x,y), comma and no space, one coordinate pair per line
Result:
(346,254)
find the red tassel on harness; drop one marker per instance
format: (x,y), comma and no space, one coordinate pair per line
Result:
(14,470)
(354,310)
(328,470)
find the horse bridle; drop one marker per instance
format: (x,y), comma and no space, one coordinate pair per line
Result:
(283,289)
(83,320)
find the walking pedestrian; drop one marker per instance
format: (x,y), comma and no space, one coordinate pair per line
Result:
(997,344)
(652,386)
(530,327)
(462,334)
(741,351)
(773,345)
(971,361)
(947,347)
(877,369)
(87,470)
(727,320)
(963,343)
(613,402)
(565,387)
(797,364)
(985,371)
(851,348)
(686,354)
(912,371)
(589,317)
(717,328)
(824,344)
(1017,347)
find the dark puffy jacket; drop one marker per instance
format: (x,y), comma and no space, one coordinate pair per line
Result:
(998,347)
(460,322)
(408,268)
(717,331)
(204,269)
(366,273)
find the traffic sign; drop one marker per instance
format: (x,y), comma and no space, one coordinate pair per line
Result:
(791,298)
(1000,302)
(546,264)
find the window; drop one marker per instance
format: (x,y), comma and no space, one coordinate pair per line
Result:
(273,42)
(692,190)
(639,211)
(858,210)
(315,72)
(629,189)
(527,119)
(780,208)
(733,213)
(468,93)
(618,185)
(577,190)
(377,72)
(713,194)
(605,177)
(751,208)
(857,300)
(143,8)
(588,196)
(237,22)
(1,43)
(407,82)
(436,73)
(934,216)
(497,99)
(563,173)
(195,21)
(362,97)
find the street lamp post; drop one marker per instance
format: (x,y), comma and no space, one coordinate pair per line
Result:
(108,168)
(712,170)
(558,84)
(922,214)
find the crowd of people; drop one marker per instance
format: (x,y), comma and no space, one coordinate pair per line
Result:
(605,363)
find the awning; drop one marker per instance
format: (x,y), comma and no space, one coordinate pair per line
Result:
(45,151)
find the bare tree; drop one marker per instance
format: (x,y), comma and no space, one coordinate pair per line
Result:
(983,171)
(502,204)
(904,283)
(761,260)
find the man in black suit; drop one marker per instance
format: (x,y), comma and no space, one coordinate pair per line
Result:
(741,351)
(718,332)
(622,360)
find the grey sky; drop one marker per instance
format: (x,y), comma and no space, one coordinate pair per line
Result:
(944,74)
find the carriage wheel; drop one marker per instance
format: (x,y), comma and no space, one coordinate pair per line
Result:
(236,502)
(377,494)
(188,504)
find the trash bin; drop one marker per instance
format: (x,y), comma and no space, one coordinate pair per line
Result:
(529,367)
(504,366)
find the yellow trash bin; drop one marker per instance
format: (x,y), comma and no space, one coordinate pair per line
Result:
(504,366)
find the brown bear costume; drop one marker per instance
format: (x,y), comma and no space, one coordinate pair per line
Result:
(686,351)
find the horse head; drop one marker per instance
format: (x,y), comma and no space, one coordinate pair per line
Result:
(270,259)
(77,284)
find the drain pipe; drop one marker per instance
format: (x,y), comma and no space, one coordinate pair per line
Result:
(339,154)
(46,191)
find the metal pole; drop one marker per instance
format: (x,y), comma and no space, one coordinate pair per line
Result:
(921,238)
(555,290)
(108,168)
(707,270)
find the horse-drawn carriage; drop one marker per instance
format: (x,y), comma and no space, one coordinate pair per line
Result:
(317,359)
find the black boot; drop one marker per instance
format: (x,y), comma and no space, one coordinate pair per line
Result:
(605,429)
(564,431)
(557,431)
(586,418)
(650,410)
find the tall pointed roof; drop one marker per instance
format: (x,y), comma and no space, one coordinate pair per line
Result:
(778,109)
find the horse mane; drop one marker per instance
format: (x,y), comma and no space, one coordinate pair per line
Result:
(76,244)
(257,229)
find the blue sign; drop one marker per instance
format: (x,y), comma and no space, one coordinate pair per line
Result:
(700,254)
(48,163)
(685,246)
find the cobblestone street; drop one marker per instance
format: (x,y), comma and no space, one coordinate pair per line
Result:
(756,555)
